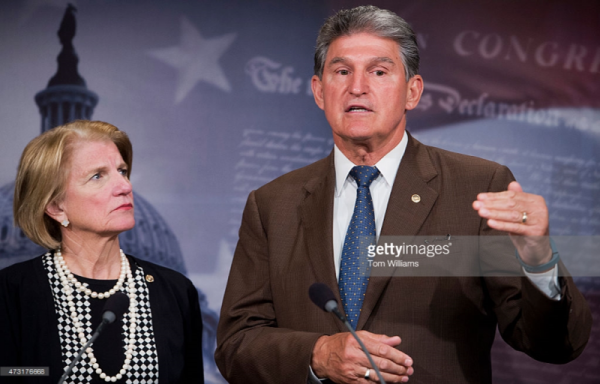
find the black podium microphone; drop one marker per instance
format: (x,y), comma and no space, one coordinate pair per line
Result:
(115,307)
(323,297)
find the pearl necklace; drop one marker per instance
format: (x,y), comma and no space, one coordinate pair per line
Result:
(69,281)
(88,292)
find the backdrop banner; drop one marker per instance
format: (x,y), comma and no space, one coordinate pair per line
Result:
(215,96)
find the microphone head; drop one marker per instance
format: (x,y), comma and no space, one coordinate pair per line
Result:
(115,307)
(321,295)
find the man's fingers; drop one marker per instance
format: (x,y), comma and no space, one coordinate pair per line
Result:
(513,228)
(532,221)
(340,358)
(392,341)
(514,191)
(518,202)
(514,186)
(388,366)
(492,196)
(523,215)
(377,347)
(392,373)
(388,377)
(511,216)
(514,211)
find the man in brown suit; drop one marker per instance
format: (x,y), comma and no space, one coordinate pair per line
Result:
(440,329)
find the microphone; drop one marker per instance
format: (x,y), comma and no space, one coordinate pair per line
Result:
(115,307)
(323,297)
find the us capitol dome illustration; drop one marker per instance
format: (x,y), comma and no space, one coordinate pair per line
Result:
(65,99)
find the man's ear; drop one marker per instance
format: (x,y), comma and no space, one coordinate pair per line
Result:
(317,90)
(54,210)
(414,92)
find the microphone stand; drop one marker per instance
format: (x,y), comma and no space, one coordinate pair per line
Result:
(78,357)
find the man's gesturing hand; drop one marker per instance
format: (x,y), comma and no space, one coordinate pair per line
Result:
(524,216)
(339,358)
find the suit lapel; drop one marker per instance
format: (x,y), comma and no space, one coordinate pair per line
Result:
(317,224)
(403,216)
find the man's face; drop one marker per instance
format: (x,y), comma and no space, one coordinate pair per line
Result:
(364,92)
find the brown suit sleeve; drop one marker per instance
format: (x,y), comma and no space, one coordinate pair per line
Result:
(547,330)
(250,346)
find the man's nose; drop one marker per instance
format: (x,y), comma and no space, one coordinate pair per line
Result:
(359,84)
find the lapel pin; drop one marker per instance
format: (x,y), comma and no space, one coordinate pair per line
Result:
(149,278)
(415,198)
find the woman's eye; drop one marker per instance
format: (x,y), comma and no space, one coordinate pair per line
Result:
(123,171)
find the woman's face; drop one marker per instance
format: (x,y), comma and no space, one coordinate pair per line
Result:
(98,199)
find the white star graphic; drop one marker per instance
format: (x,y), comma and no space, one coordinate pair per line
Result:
(196,59)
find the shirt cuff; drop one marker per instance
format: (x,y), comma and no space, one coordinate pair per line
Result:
(312,378)
(547,282)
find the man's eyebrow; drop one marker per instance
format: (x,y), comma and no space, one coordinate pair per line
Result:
(383,59)
(337,60)
(375,60)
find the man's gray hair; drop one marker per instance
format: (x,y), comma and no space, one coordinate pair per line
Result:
(370,19)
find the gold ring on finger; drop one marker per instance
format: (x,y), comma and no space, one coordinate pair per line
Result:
(524,219)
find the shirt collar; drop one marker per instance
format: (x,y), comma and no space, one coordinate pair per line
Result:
(388,165)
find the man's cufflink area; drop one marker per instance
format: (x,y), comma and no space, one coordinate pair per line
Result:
(544,267)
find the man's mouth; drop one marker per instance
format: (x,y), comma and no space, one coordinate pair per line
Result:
(357,108)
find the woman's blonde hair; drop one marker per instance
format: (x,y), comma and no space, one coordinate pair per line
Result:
(43,172)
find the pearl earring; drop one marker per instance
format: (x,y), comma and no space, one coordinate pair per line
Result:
(65,223)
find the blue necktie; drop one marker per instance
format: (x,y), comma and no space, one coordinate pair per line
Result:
(354,269)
